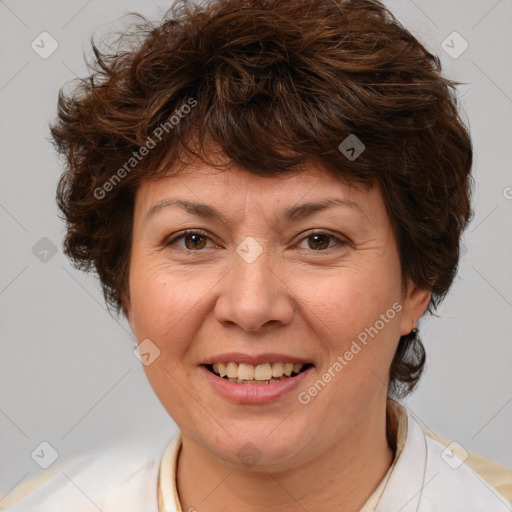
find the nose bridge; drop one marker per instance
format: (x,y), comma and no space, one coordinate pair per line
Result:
(253,294)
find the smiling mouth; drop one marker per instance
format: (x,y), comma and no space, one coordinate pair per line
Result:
(267,373)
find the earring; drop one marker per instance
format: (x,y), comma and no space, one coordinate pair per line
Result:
(414,331)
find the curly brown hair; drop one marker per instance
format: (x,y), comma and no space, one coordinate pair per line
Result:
(274,84)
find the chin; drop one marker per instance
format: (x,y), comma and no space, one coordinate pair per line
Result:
(258,447)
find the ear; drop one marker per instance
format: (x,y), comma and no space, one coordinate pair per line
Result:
(414,304)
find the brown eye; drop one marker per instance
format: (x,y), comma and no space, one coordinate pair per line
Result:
(193,240)
(320,241)
(196,241)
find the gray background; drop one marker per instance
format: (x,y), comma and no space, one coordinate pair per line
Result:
(67,372)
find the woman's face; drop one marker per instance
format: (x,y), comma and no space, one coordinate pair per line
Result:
(266,280)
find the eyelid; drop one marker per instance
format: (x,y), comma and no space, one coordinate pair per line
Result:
(341,240)
(181,234)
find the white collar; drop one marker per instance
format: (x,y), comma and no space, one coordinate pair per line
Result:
(419,479)
(168,499)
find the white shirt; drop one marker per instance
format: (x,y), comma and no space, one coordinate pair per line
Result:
(424,477)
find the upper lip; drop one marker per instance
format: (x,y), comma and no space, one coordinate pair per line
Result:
(268,357)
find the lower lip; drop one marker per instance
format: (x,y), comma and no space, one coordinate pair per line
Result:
(254,393)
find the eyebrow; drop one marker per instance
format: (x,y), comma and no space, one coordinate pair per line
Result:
(291,214)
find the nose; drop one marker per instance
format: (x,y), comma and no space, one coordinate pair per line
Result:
(255,294)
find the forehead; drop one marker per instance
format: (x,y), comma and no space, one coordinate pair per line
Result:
(236,187)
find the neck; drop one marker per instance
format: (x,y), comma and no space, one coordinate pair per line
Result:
(342,477)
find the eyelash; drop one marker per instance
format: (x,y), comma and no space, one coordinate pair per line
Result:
(189,232)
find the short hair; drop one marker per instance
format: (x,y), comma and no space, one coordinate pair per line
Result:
(274,84)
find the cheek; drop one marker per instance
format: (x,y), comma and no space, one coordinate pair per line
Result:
(356,315)
(154,300)
(163,312)
(167,304)
(360,323)
(345,304)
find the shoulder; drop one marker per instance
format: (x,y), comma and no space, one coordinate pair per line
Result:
(450,484)
(123,478)
(449,481)
(495,474)
(429,477)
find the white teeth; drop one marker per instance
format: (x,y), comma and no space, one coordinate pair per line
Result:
(251,374)
(287,369)
(222,369)
(232,370)
(297,367)
(245,371)
(277,370)
(261,372)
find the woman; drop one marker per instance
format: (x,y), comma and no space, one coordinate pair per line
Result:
(273,194)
